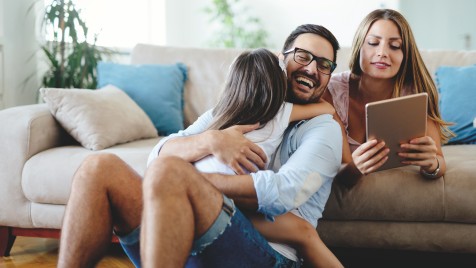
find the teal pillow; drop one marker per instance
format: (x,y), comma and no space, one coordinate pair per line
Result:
(157,89)
(457,88)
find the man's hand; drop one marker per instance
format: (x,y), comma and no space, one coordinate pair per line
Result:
(232,148)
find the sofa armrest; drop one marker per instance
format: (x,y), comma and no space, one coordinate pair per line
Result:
(24,132)
(28,130)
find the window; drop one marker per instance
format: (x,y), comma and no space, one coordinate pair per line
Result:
(124,23)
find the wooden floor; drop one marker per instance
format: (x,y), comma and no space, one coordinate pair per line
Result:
(43,253)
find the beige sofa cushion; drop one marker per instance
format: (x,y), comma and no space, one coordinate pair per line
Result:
(99,118)
(47,176)
(402,195)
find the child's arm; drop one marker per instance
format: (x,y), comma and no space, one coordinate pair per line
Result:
(295,231)
(307,111)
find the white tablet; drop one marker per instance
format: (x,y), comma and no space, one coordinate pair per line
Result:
(396,121)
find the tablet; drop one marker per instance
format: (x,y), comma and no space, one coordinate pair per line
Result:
(396,121)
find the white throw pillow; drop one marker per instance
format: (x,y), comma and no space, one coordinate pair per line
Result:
(99,118)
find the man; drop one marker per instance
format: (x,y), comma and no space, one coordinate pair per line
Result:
(186,212)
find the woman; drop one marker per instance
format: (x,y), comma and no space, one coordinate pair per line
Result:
(385,63)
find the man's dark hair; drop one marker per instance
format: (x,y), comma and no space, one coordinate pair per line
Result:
(313,29)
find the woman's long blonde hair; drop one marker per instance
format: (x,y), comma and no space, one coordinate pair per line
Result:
(413,74)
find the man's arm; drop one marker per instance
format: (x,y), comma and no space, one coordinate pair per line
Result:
(230,146)
(312,153)
(240,188)
(190,148)
(315,152)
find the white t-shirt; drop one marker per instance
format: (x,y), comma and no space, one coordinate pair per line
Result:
(268,138)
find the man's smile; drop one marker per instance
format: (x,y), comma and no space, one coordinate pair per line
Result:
(305,81)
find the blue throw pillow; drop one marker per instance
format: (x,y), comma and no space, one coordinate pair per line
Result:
(457,88)
(157,89)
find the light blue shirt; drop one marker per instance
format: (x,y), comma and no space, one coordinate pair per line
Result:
(302,171)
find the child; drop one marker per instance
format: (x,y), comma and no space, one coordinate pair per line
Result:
(255,92)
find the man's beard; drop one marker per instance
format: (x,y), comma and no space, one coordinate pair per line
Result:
(293,98)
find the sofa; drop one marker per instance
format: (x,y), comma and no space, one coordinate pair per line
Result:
(395,209)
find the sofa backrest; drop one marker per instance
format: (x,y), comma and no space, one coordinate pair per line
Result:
(208,67)
(207,70)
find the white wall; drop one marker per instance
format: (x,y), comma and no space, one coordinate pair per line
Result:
(442,24)
(1,57)
(187,24)
(19,47)
(436,24)
(124,23)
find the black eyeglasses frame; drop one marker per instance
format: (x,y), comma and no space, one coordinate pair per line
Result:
(314,57)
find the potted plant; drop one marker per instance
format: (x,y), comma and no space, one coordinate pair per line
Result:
(72,59)
(235,31)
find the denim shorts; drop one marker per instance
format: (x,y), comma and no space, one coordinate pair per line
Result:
(230,242)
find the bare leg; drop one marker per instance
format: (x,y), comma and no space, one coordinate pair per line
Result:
(179,205)
(291,229)
(106,193)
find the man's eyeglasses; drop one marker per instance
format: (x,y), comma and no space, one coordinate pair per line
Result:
(305,58)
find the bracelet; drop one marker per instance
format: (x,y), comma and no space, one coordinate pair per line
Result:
(434,174)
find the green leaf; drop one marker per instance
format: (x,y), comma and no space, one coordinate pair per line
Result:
(235,31)
(72,60)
